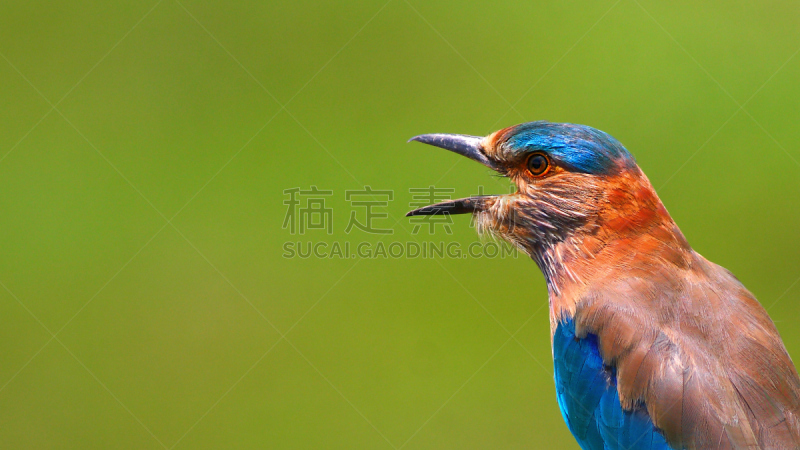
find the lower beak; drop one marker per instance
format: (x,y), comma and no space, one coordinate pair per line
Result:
(461,206)
(464,145)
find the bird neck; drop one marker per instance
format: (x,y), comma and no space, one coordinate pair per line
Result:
(630,228)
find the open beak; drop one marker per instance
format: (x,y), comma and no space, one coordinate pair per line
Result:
(464,145)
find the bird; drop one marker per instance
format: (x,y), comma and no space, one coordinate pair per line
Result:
(654,346)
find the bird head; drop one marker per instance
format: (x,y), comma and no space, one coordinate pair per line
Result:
(572,181)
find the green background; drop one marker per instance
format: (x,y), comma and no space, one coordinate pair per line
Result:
(144,148)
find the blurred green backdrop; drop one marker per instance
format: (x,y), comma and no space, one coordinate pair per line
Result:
(145,148)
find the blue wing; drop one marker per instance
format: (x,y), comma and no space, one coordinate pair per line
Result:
(588,398)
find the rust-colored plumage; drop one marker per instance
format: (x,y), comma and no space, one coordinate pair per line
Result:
(680,338)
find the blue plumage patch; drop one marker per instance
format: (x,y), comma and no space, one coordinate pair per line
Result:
(589,401)
(577,147)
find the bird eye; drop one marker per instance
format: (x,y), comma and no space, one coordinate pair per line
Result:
(538,164)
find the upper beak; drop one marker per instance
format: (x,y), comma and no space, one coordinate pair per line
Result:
(464,145)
